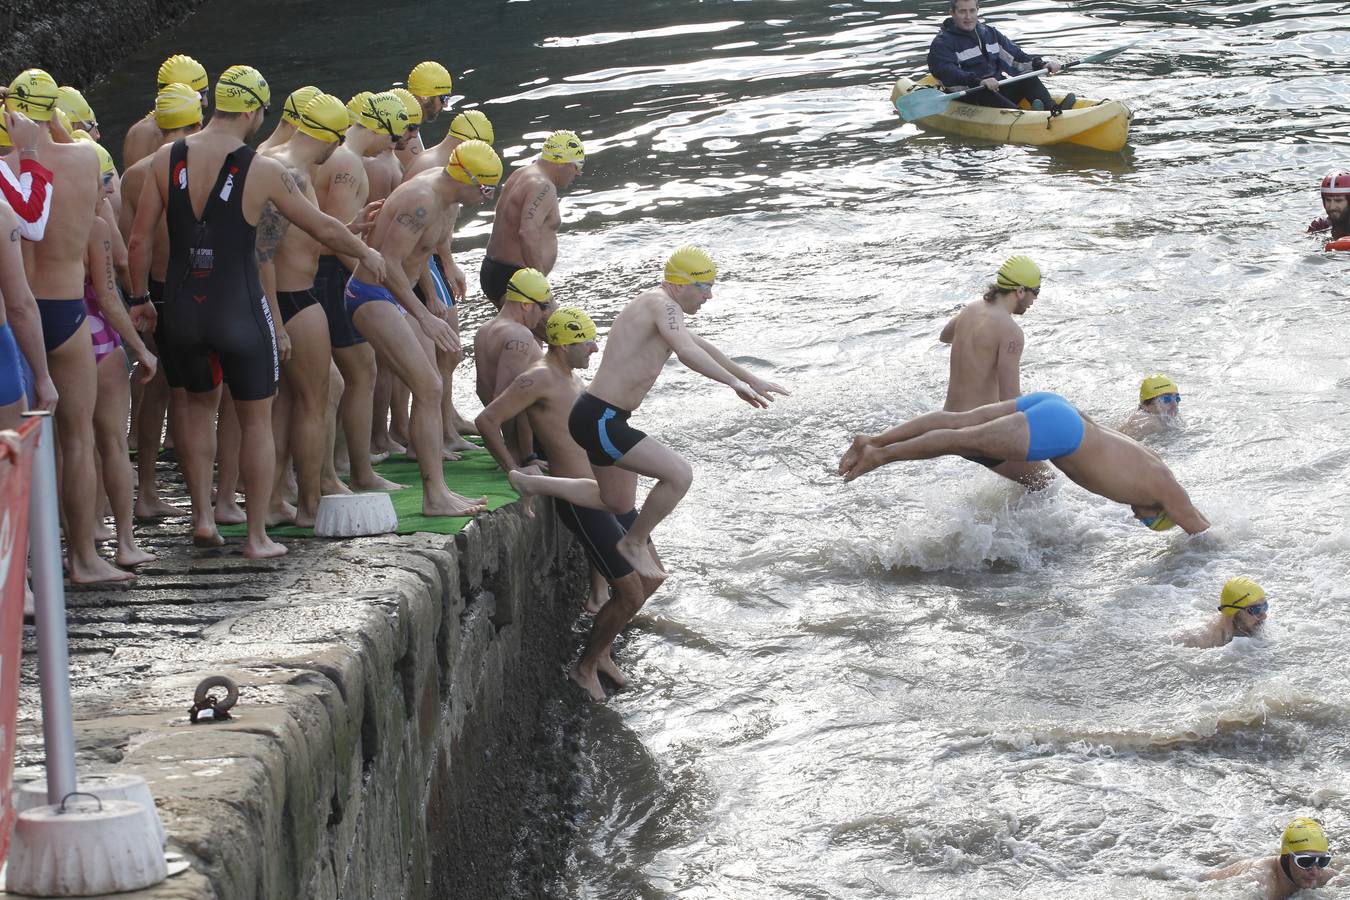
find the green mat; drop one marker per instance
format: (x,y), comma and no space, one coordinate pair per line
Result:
(475,475)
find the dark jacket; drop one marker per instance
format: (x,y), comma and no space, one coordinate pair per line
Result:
(963,58)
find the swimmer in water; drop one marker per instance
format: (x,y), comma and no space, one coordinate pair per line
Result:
(1304,863)
(1159,408)
(1336,203)
(1242,609)
(987,356)
(1040,426)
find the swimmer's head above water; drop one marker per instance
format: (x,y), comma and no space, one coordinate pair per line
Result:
(1159,395)
(1244,601)
(572,332)
(1020,278)
(1304,852)
(690,273)
(1335,191)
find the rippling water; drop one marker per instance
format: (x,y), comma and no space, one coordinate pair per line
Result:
(926,682)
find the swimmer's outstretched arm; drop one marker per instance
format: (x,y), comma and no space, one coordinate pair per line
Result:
(1181,510)
(758,384)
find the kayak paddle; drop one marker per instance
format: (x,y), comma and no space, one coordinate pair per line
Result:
(927,102)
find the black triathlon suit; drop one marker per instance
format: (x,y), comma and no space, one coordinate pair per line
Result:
(218,323)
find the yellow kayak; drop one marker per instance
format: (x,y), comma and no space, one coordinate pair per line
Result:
(1100,124)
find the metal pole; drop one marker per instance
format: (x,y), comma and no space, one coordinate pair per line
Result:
(49,599)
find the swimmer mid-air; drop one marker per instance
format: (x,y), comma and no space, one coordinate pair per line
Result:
(1040,426)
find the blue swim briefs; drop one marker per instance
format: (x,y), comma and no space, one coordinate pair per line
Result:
(1056,427)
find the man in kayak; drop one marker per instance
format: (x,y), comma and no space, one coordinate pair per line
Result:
(967,54)
(1040,426)
(1336,203)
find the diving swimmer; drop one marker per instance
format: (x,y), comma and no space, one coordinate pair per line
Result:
(1040,426)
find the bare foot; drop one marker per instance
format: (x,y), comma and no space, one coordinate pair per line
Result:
(229,513)
(103,532)
(457,444)
(446,454)
(639,557)
(376,483)
(452,504)
(850,458)
(264,549)
(463,425)
(377,458)
(334,486)
(303,519)
(341,464)
(97,571)
(599,594)
(153,508)
(207,536)
(279,513)
(606,665)
(521,482)
(589,683)
(399,440)
(131,556)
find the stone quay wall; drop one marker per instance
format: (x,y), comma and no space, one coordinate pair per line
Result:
(398,698)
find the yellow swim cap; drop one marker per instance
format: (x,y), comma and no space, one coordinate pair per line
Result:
(354,106)
(563,147)
(1156,385)
(410,104)
(105,160)
(4,134)
(475,161)
(323,118)
(689,264)
(184,70)
(177,106)
(528,286)
(1304,835)
(472,125)
(295,101)
(1239,593)
(429,79)
(242,89)
(33,93)
(72,102)
(568,326)
(1019,271)
(60,115)
(383,113)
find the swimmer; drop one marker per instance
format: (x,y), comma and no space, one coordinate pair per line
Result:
(430,83)
(178,113)
(56,267)
(144,137)
(546,393)
(1242,610)
(1040,426)
(444,278)
(72,103)
(214,301)
(343,188)
(288,261)
(525,226)
(505,346)
(20,329)
(644,335)
(1336,204)
(290,116)
(1303,864)
(412,223)
(1159,408)
(386,169)
(987,355)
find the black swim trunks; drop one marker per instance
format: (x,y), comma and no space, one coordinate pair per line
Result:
(291,302)
(602,430)
(219,323)
(599,533)
(493,276)
(330,284)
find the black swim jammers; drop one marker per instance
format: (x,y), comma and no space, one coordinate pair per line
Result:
(599,533)
(602,430)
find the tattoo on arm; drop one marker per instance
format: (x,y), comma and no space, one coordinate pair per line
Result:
(108,267)
(524,381)
(516,346)
(272,227)
(344,178)
(536,202)
(414,221)
(14,235)
(287,181)
(672,317)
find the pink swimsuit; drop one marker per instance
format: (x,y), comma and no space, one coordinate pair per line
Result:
(105,339)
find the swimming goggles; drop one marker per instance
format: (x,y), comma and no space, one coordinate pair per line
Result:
(487,190)
(1166,398)
(703,286)
(1147,521)
(1310,860)
(1256,609)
